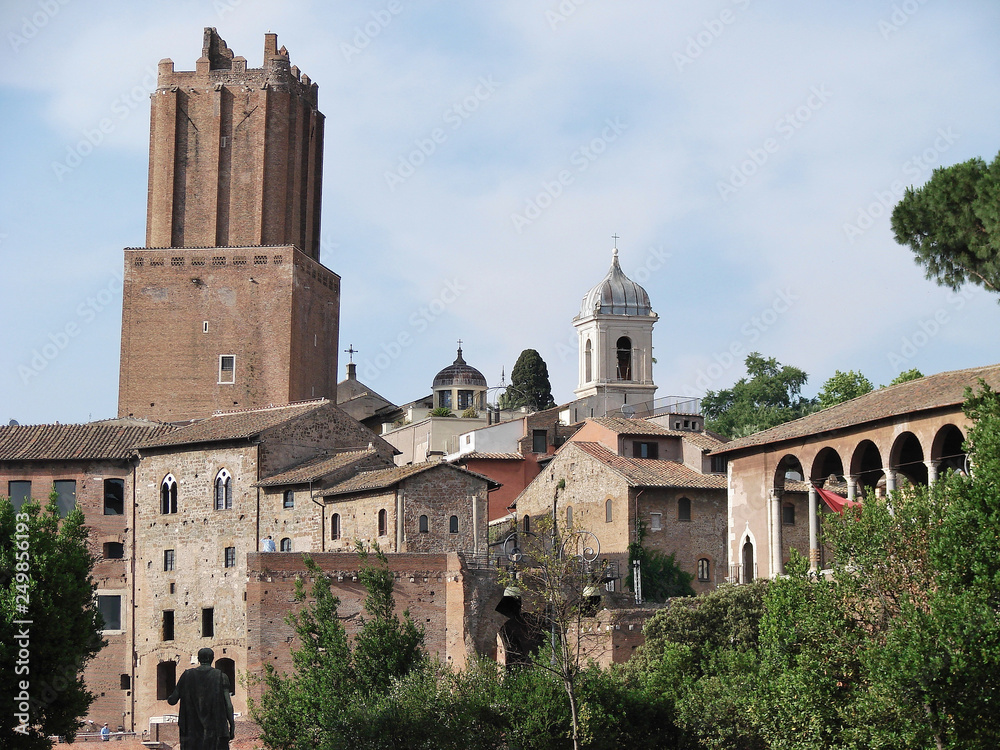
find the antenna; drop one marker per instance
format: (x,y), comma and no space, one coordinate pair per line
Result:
(628,410)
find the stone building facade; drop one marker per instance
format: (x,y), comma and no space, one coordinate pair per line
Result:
(599,482)
(906,433)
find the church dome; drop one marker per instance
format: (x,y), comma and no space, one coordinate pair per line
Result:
(617,294)
(459,373)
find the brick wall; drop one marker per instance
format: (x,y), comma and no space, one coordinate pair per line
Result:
(184,309)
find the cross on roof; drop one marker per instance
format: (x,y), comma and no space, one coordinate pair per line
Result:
(352,351)
(460,343)
(615,237)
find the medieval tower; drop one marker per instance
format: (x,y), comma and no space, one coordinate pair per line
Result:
(615,329)
(227,306)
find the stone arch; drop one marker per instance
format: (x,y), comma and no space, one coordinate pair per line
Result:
(588,362)
(906,457)
(748,561)
(827,463)
(948,449)
(866,466)
(624,345)
(789,468)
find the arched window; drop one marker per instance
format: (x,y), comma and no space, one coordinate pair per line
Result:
(704,569)
(223,490)
(424,527)
(527,524)
(788,514)
(335,526)
(569,516)
(683,509)
(608,512)
(453,525)
(624,358)
(228,668)
(588,362)
(382,525)
(286,545)
(168,494)
(288,499)
(748,564)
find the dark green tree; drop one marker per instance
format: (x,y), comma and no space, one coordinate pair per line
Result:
(768,396)
(952,224)
(843,386)
(529,384)
(906,376)
(662,578)
(48,610)
(338,687)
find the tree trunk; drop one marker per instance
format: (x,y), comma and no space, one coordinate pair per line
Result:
(572,711)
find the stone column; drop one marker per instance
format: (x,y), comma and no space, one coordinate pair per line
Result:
(852,488)
(777,568)
(813,529)
(890,480)
(932,471)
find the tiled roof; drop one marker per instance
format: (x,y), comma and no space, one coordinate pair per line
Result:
(234,425)
(108,439)
(651,472)
(633,426)
(315,468)
(379,479)
(931,392)
(489,456)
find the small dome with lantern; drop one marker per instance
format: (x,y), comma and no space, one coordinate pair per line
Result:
(459,386)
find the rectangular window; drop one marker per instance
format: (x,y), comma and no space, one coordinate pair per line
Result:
(230,557)
(168,559)
(65,495)
(645,450)
(719,464)
(289,499)
(110,608)
(114,550)
(655,521)
(208,622)
(444,399)
(538,441)
(227,368)
(114,497)
(19,493)
(465,400)
(704,569)
(166,679)
(168,625)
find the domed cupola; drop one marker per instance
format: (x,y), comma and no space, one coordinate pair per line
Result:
(459,386)
(617,294)
(615,330)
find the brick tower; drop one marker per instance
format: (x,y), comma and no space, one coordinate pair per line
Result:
(227,306)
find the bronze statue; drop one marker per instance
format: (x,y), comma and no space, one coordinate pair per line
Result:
(206,714)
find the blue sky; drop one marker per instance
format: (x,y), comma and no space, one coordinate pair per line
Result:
(744,151)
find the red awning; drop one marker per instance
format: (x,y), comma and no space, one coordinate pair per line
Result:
(835,502)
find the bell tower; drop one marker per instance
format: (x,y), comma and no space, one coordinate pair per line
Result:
(228,306)
(615,330)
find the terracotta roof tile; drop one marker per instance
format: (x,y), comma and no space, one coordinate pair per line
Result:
(489,456)
(930,392)
(234,425)
(316,468)
(637,426)
(113,439)
(379,479)
(651,472)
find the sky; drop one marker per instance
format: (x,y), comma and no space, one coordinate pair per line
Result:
(480,156)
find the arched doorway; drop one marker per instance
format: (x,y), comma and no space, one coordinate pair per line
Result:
(907,458)
(866,467)
(748,568)
(948,451)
